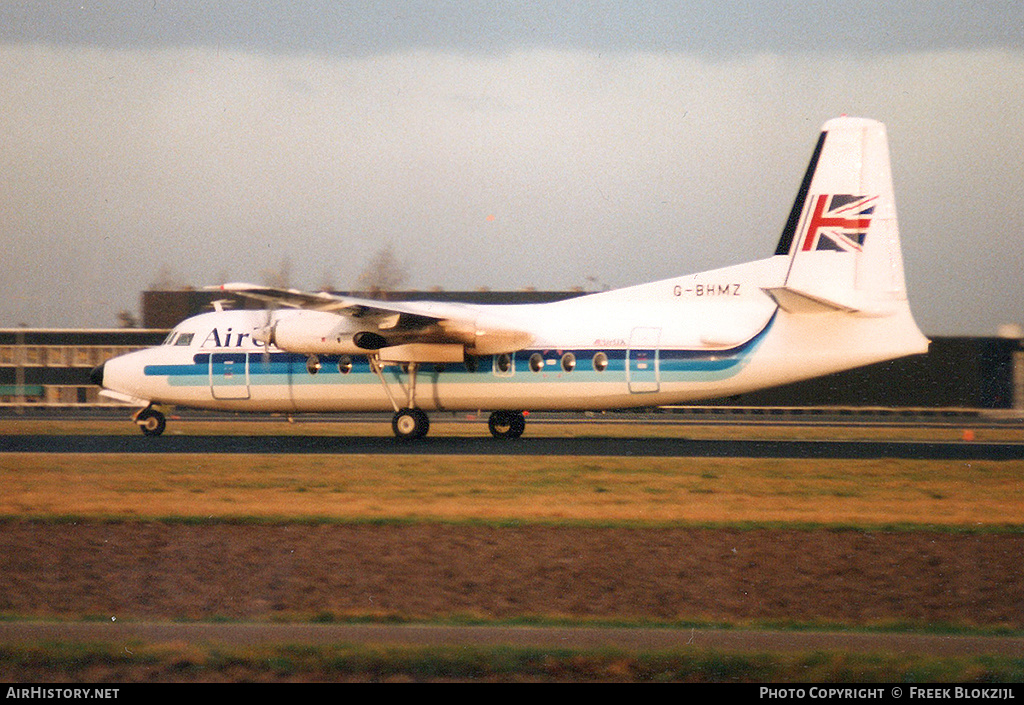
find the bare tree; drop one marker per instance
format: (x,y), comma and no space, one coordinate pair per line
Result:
(127,319)
(326,281)
(280,278)
(383,273)
(167,279)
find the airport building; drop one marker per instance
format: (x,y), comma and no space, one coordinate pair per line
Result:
(45,366)
(50,367)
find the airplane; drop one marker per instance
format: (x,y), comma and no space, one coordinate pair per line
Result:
(832,297)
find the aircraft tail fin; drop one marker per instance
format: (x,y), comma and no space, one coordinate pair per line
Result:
(843,290)
(841,236)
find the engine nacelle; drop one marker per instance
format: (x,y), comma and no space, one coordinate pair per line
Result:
(324,333)
(315,332)
(493,337)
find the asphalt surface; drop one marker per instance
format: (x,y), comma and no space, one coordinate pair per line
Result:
(454,445)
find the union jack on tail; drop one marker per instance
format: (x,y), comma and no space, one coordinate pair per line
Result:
(839,222)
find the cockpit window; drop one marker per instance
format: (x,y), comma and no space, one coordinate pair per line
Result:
(169,340)
(185,339)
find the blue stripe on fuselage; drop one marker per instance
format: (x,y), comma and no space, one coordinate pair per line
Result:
(674,365)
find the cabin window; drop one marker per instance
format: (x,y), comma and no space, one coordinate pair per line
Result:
(503,364)
(313,364)
(536,362)
(344,364)
(600,362)
(568,362)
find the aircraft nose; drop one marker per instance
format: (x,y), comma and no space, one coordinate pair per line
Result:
(96,376)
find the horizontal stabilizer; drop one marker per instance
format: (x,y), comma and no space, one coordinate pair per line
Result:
(794,301)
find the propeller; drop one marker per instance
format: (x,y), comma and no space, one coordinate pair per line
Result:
(265,334)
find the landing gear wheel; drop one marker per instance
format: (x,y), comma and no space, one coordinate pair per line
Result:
(410,424)
(151,421)
(507,424)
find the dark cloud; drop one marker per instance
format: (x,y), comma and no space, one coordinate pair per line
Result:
(707,27)
(622,141)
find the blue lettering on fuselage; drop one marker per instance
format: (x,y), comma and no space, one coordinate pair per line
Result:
(213,339)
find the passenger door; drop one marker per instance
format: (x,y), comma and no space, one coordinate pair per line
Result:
(642,371)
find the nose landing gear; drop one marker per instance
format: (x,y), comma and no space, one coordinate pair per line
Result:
(151,421)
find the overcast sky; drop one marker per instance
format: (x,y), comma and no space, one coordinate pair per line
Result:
(528,144)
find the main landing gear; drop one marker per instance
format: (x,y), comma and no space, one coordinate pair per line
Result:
(507,424)
(408,423)
(411,423)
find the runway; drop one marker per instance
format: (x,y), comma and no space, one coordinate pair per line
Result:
(903,434)
(612,447)
(474,445)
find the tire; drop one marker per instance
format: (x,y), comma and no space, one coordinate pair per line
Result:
(506,424)
(151,422)
(410,424)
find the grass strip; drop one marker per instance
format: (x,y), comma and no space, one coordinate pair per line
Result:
(882,494)
(125,663)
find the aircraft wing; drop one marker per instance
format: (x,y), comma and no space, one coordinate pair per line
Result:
(427,328)
(293,298)
(412,313)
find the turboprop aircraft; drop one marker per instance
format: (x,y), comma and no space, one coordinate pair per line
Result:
(831,298)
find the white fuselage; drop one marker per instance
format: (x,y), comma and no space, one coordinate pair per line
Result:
(832,298)
(707,335)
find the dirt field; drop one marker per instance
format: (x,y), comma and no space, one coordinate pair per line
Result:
(154,570)
(250,540)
